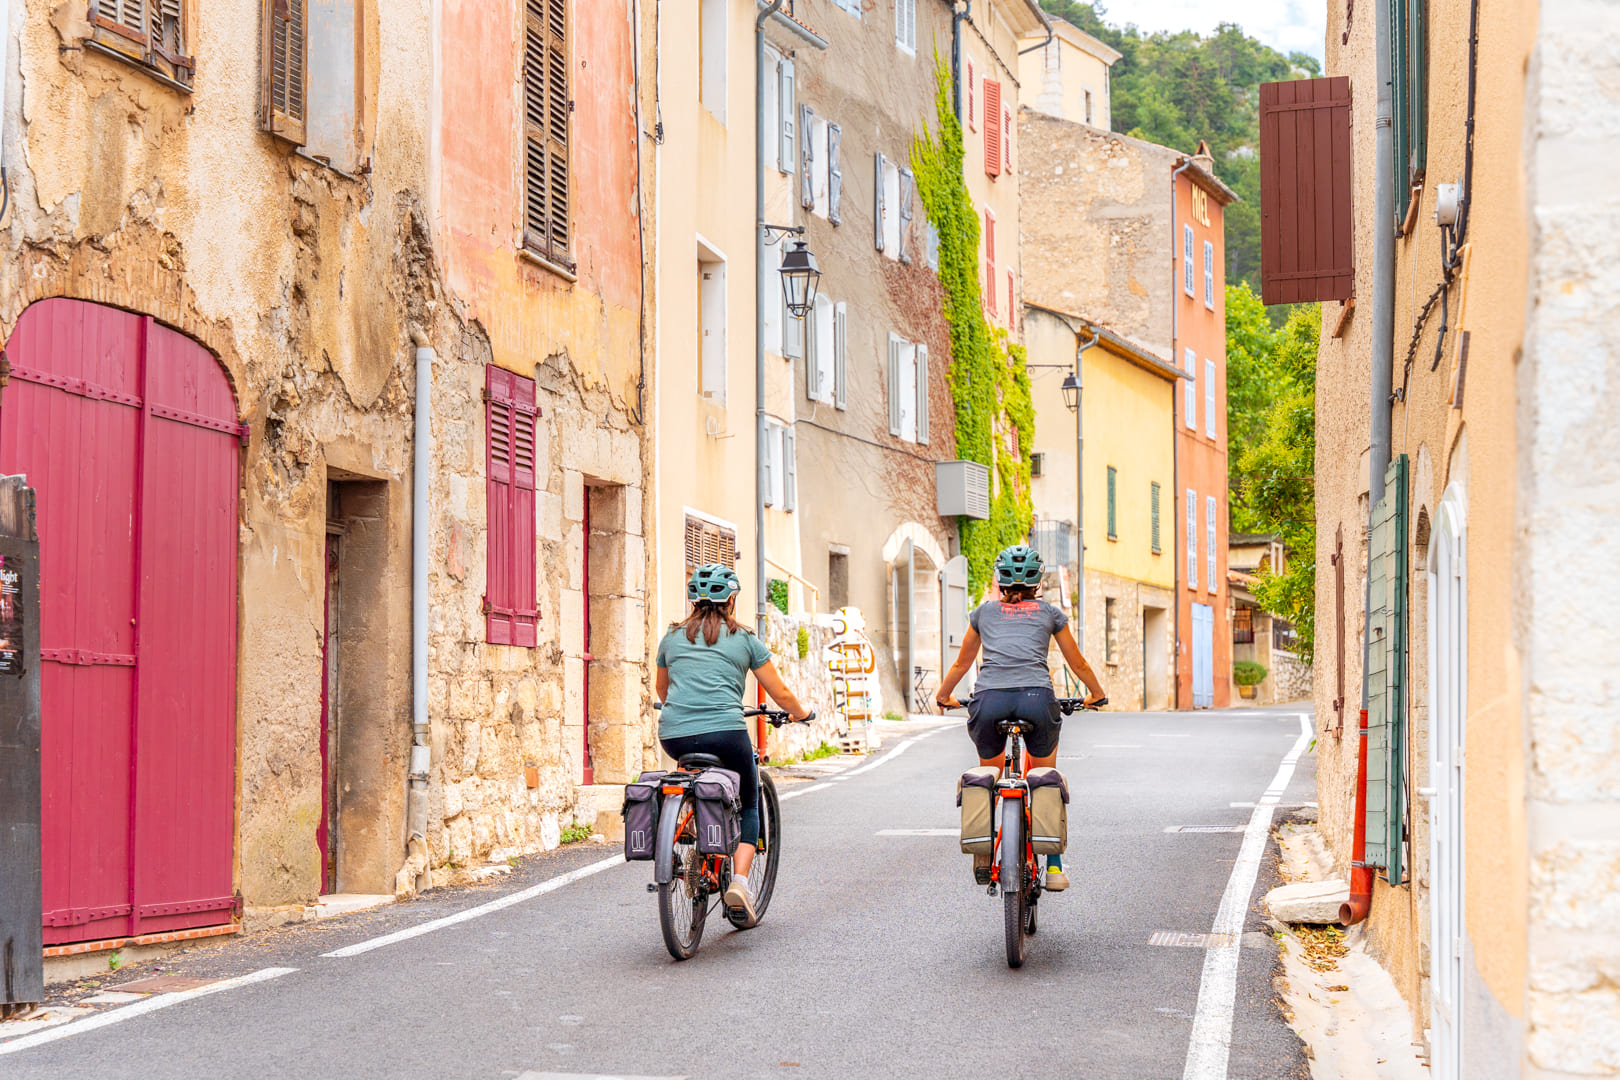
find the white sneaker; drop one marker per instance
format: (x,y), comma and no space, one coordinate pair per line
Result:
(739,900)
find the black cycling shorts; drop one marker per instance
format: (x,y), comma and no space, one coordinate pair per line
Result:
(1036,704)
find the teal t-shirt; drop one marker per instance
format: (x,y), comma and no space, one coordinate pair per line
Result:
(706,681)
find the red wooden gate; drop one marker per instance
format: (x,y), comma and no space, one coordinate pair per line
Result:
(128,432)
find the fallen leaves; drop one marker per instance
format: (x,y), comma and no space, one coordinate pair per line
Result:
(1321,947)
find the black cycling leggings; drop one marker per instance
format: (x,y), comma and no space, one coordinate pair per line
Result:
(736,752)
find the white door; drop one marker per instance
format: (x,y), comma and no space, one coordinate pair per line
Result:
(1448,698)
(1203,658)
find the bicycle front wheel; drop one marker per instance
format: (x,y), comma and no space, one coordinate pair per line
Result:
(682,903)
(1014,897)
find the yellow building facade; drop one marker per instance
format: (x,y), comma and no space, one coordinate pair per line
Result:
(1066,75)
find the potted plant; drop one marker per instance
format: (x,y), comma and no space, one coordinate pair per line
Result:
(1248,675)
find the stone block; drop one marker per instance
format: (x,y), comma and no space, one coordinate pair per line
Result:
(631,502)
(1308,901)
(624,460)
(573,495)
(548,516)
(571,620)
(453,801)
(619,629)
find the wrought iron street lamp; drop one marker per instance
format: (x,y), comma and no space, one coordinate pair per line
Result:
(800,275)
(1071,392)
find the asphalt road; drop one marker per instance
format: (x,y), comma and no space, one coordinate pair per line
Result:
(879,956)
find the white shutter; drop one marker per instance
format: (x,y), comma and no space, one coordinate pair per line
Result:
(768,463)
(1192,539)
(906,185)
(807,158)
(840,356)
(835,175)
(1209,543)
(922,393)
(785,106)
(1190,402)
(792,333)
(879,210)
(812,353)
(894,385)
(1209,398)
(790,471)
(1209,275)
(1187,259)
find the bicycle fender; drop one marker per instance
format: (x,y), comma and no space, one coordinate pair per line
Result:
(669,819)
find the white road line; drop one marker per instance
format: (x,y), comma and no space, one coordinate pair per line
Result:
(918,832)
(795,792)
(1210,1046)
(890,756)
(550,885)
(1117,746)
(140,1008)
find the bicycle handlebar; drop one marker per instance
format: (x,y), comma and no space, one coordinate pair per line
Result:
(1067,704)
(777,717)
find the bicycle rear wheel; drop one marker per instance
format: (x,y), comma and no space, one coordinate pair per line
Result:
(682,903)
(762,875)
(1014,896)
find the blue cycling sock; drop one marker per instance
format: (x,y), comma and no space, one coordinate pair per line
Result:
(1054,862)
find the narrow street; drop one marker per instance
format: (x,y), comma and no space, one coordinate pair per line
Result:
(879,957)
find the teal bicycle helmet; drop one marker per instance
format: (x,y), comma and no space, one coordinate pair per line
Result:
(1018,565)
(713,582)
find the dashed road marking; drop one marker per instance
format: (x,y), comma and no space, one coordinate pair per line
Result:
(1204,828)
(918,832)
(1181,939)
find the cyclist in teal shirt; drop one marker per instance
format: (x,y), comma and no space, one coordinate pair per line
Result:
(703,664)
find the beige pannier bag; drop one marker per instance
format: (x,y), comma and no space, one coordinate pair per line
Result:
(1048,811)
(976,795)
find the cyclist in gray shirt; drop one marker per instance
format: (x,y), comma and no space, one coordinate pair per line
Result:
(1014,681)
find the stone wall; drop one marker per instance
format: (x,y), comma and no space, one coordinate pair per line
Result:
(1290,677)
(808,677)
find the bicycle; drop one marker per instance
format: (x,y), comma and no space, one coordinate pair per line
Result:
(686,880)
(1013,857)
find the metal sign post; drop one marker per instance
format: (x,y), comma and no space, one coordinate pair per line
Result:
(22,948)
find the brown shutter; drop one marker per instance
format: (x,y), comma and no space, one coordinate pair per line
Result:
(282,96)
(546,109)
(1305,226)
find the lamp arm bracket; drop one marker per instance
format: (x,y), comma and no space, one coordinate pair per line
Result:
(775,233)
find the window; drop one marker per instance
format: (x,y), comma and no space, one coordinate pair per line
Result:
(1190,392)
(1192,539)
(510,600)
(807,157)
(781,467)
(1243,625)
(780,108)
(310,76)
(712,323)
(711,55)
(1209,274)
(908,389)
(1110,631)
(889,205)
(1037,464)
(992,128)
(821,345)
(905,25)
(709,542)
(837,579)
(1209,398)
(819,174)
(990,259)
(1409,86)
(546,112)
(908,188)
(1113,480)
(880,204)
(1086,100)
(152,34)
(1153,496)
(1210,549)
(932,245)
(835,175)
(1187,259)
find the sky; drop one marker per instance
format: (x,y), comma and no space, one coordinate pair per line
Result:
(1286,25)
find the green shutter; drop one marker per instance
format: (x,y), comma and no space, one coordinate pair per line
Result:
(1409,94)
(1113,533)
(1385,805)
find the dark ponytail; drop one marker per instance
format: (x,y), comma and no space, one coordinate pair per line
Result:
(708,616)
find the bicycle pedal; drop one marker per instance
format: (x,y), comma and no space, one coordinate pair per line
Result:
(652,886)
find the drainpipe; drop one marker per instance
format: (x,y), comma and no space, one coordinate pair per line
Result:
(1080,482)
(416,804)
(1383,361)
(1177,541)
(960,10)
(759,316)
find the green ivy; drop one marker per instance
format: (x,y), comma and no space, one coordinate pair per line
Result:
(804,642)
(776,591)
(995,415)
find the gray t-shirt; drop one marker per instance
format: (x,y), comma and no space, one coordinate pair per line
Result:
(706,681)
(1014,639)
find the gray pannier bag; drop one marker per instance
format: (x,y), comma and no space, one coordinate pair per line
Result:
(1048,811)
(640,812)
(976,795)
(719,811)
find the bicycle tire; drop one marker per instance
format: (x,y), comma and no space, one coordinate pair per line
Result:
(1029,920)
(682,904)
(1014,898)
(762,875)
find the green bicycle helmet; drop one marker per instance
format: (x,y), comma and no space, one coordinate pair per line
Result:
(713,582)
(1018,565)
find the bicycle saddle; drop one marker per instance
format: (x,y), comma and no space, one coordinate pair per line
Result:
(696,762)
(1007,727)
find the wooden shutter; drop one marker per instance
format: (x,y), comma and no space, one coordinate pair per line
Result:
(768,462)
(990,259)
(894,385)
(835,175)
(283,70)
(880,208)
(510,602)
(992,127)
(840,356)
(1386,678)
(807,158)
(1306,247)
(922,393)
(1187,259)
(707,542)
(973,124)
(1192,539)
(1190,402)
(1409,89)
(812,355)
(790,471)
(1113,483)
(1153,497)
(792,333)
(906,185)
(546,121)
(1006,141)
(785,110)
(1210,581)
(1209,274)
(1209,398)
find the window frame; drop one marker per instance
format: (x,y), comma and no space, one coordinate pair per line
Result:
(1155,496)
(905,26)
(112,36)
(1113,514)
(542,153)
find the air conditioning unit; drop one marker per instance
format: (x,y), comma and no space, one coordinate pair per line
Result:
(962,489)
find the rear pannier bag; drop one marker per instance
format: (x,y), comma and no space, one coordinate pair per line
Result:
(719,811)
(1048,811)
(976,795)
(640,811)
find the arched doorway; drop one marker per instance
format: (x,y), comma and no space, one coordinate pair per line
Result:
(128,433)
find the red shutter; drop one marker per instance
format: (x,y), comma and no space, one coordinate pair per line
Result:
(973,124)
(510,602)
(992,129)
(1305,226)
(990,259)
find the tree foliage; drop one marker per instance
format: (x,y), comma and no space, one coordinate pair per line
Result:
(1254,380)
(1275,476)
(1175,89)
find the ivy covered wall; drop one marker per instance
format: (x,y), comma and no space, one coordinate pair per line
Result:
(995,417)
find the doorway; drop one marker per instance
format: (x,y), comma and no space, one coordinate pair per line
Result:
(1448,704)
(1155,658)
(1203,656)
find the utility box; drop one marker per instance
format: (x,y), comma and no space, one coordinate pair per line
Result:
(22,948)
(963,489)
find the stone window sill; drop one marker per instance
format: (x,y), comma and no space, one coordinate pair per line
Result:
(145,69)
(528,254)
